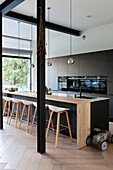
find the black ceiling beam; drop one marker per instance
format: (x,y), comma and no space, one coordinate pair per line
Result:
(8,5)
(62,29)
(49,25)
(21,18)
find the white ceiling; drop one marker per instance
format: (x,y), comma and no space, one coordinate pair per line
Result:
(102,11)
(98,38)
(28,7)
(1,1)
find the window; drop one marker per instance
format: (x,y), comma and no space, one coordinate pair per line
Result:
(14,77)
(17,51)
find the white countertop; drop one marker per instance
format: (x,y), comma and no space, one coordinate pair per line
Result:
(68,98)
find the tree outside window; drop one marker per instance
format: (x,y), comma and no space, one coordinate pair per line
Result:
(14,76)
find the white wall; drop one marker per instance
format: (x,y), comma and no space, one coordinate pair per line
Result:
(97,39)
(12,27)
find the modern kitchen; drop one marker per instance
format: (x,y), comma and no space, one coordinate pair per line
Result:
(57,87)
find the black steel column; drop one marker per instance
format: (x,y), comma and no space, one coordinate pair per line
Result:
(1,117)
(40,85)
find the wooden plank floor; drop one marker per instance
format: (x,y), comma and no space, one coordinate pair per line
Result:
(18,152)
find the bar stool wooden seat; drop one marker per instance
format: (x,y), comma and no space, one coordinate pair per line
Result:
(46,107)
(59,111)
(7,101)
(16,102)
(29,113)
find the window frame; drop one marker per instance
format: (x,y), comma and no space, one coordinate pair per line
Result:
(18,57)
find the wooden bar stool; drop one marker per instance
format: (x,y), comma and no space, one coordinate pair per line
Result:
(29,113)
(16,102)
(59,111)
(7,101)
(46,107)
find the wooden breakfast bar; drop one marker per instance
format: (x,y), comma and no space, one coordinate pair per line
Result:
(84,114)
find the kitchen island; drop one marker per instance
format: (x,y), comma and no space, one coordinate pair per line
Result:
(85,114)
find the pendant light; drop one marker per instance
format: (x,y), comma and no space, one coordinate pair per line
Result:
(49,63)
(70,60)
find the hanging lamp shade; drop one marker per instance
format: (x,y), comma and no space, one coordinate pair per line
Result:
(49,63)
(70,61)
(19,67)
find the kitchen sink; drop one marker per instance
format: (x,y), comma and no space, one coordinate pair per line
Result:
(86,97)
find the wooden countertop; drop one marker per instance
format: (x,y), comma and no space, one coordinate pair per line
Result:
(59,97)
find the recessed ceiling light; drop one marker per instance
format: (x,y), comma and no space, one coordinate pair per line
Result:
(90,16)
(83,37)
(49,8)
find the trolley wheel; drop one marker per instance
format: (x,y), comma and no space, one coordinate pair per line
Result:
(89,141)
(112,139)
(103,145)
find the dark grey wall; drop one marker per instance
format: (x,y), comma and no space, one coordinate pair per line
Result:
(90,64)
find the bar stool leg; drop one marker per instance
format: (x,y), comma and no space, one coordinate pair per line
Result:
(52,122)
(12,113)
(17,113)
(22,116)
(33,120)
(49,124)
(28,118)
(31,114)
(4,108)
(20,111)
(58,127)
(9,110)
(26,110)
(69,126)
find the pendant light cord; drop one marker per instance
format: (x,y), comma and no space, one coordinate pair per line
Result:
(48,35)
(19,38)
(70,26)
(31,56)
(49,44)
(19,42)
(70,16)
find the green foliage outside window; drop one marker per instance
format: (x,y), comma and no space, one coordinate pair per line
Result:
(14,76)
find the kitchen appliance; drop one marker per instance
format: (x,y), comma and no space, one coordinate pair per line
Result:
(89,84)
(62,83)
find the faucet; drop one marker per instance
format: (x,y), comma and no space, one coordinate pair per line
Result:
(80,91)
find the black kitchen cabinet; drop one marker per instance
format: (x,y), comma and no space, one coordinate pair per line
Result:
(110,107)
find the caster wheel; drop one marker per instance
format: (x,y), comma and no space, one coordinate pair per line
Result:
(112,139)
(103,146)
(89,141)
